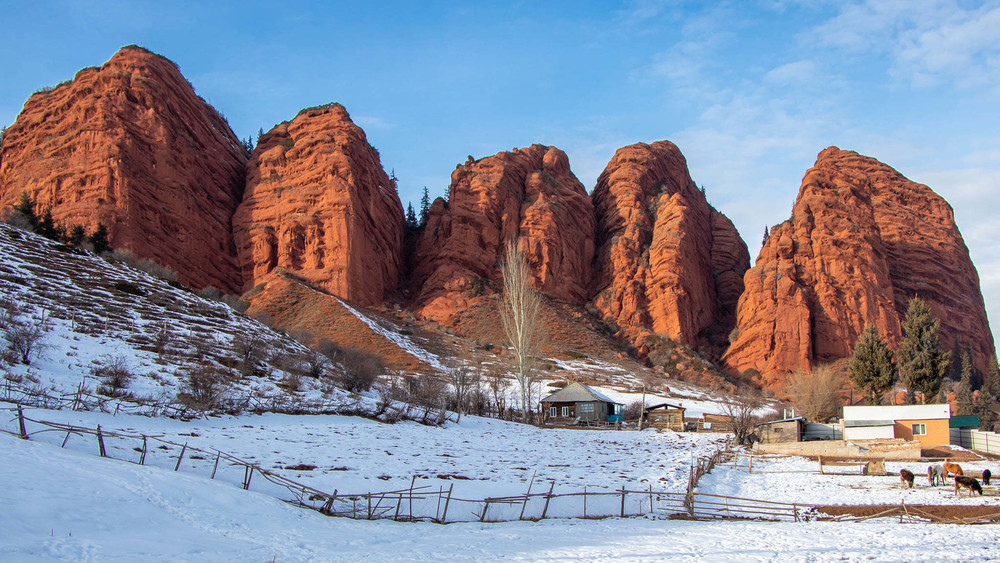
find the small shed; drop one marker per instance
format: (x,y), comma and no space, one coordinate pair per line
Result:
(786,430)
(666,415)
(578,403)
(716,423)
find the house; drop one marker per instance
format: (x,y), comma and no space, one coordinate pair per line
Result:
(665,415)
(578,403)
(927,424)
(787,430)
(715,423)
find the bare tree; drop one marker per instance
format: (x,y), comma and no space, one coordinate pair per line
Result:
(496,380)
(251,351)
(519,308)
(361,369)
(817,393)
(461,379)
(25,337)
(741,406)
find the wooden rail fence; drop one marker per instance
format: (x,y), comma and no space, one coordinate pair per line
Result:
(418,502)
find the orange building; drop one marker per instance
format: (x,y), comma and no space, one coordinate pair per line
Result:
(927,424)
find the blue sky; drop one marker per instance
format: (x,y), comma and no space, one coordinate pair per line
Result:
(749,91)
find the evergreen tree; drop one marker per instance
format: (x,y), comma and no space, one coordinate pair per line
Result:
(100,239)
(425,207)
(46,225)
(260,133)
(76,235)
(872,368)
(26,207)
(767,233)
(963,391)
(922,364)
(411,217)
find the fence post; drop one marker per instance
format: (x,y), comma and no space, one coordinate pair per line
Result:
(585,502)
(650,498)
(66,439)
(548,497)
(527,495)
(180,457)
(412,482)
(623,501)
(444,516)
(20,424)
(142,458)
(100,442)
(216,468)
(486,507)
(248,473)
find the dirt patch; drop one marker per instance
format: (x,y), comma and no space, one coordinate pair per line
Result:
(953,455)
(939,512)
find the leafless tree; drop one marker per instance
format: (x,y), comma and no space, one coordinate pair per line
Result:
(741,407)
(115,374)
(25,337)
(203,387)
(461,379)
(250,351)
(519,308)
(496,381)
(817,393)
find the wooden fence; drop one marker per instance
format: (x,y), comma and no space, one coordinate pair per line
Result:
(418,502)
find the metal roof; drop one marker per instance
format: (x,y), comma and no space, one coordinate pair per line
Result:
(658,405)
(966,421)
(868,423)
(576,393)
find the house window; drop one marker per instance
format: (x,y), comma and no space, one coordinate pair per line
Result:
(670,418)
(565,411)
(586,407)
(919,429)
(552,412)
(659,418)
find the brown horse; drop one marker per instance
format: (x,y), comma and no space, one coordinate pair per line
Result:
(952,468)
(963,482)
(906,476)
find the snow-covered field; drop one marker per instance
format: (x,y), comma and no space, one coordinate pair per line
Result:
(797,480)
(68,504)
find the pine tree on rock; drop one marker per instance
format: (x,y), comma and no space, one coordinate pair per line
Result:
(425,207)
(922,363)
(963,390)
(411,217)
(872,368)
(100,239)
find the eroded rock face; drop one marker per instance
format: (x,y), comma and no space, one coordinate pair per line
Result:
(319,205)
(666,261)
(862,241)
(529,194)
(132,146)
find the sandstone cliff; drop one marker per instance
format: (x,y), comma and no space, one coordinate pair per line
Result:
(132,146)
(666,260)
(319,204)
(529,194)
(862,241)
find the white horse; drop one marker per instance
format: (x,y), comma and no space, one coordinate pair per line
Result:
(935,474)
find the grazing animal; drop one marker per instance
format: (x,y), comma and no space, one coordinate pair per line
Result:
(963,482)
(935,475)
(986,476)
(906,476)
(953,469)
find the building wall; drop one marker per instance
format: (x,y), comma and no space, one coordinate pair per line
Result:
(660,418)
(870,433)
(779,432)
(937,432)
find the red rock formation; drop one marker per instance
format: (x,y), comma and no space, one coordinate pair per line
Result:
(529,194)
(319,204)
(666,260)
(132,146)
(861,242)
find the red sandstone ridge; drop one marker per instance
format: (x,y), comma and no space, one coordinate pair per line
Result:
(862,241)
(319,204)
(666,260)
(132,146)
(529,194)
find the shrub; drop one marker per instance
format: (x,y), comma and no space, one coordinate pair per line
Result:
(115,375)
(25,338)
(210,292)
(360,369)
(250,351)
(632,411)
(129,288)
(235,303)
(203,387)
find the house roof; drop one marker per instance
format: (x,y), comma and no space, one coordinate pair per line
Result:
(576,393)
(868,423)
(898,412)
(782,420)
(668,405)
(967,421)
